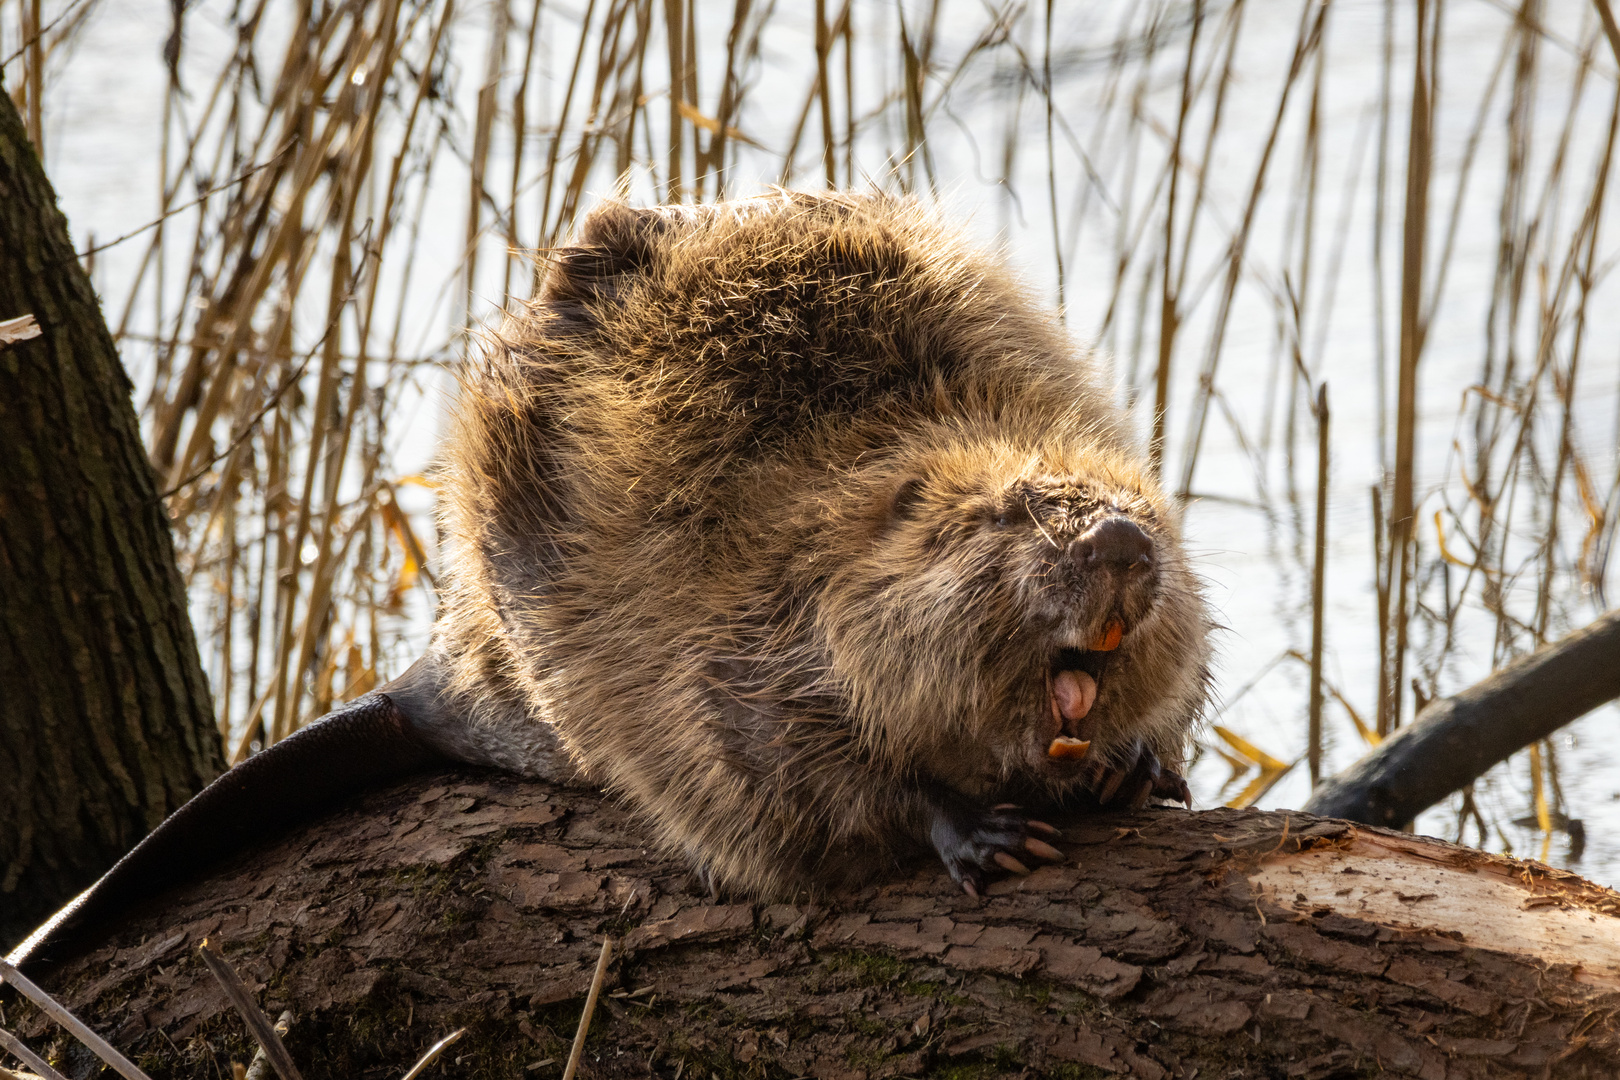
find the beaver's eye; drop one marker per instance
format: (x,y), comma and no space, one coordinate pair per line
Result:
(908,499)
(1003,519)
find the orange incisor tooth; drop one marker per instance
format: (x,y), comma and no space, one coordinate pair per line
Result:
(1109,639)
(1065,747)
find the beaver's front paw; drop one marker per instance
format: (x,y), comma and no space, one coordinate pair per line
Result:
(974,843)
(1136,777)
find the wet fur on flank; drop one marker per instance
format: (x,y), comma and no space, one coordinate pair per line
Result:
(761,510)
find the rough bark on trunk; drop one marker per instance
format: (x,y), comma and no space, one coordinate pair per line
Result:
(105,720)
(1168,944)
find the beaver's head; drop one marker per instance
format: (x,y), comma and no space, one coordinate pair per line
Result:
(1014,602)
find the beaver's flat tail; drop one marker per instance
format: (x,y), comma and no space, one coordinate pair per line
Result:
(370,741)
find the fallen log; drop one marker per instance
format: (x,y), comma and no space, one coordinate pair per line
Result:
(1457,739)
(1224,943)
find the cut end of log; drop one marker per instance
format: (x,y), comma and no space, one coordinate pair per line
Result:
(1479,900)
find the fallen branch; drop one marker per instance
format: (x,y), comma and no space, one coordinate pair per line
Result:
(1455,740)
(1165,942)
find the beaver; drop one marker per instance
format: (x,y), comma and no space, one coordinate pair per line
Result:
(806,530)
(798,524)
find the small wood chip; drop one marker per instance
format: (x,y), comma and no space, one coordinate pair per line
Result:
(22,328)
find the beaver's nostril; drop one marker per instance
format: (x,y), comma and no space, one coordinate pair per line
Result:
(1116,542)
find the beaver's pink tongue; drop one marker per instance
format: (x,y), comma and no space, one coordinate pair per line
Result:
(1073,694)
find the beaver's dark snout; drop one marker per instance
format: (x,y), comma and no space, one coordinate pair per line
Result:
(1116,543)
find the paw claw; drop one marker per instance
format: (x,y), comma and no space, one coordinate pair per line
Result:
(1007,862)
(1172,786)
(1110,788)
(977,845)
(1042,850)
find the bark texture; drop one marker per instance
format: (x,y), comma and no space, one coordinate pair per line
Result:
(1168,944)
(105,720)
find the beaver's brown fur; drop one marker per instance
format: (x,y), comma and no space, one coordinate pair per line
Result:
(777,512)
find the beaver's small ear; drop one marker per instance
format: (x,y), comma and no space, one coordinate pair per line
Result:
(616,242)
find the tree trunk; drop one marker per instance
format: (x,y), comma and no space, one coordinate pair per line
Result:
(105,720)
(1223,943)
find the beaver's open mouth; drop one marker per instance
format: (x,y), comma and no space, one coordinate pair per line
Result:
(1072,690)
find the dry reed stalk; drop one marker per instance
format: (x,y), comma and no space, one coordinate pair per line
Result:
(829,148)
(282,339)
(50,1007)
(1169,317)
(1051,152)
(520,132)
(1309,36)
(812,97)
(847,32)
(19,1050)
(1412,330)
(34,76)
(1313,736)
(483,129)
(432,1054)
(259,1025)
(590,1008)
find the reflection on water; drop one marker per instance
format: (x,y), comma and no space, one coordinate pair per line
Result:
(1281,269)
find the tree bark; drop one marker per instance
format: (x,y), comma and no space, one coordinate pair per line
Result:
(105,720)
(1230,943)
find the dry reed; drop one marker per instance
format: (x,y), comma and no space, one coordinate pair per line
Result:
(292,311)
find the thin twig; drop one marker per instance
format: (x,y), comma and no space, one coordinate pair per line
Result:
(264,1033)
(204,197)
(39,34)
(590,1007)
(103,1049)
